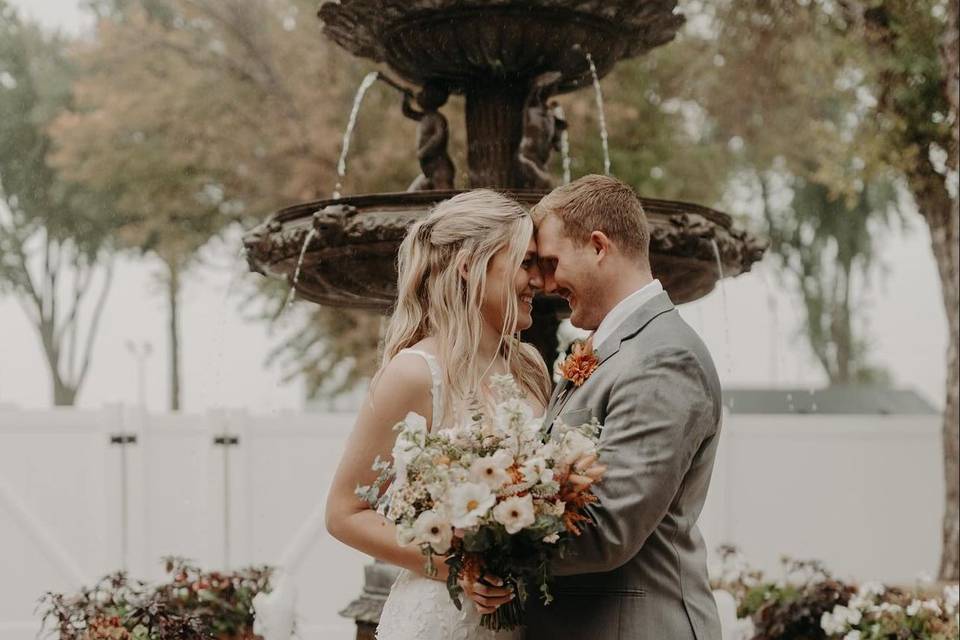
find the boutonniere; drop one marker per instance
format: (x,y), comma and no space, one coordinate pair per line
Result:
(581,363)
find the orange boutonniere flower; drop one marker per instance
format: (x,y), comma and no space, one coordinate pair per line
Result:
(580,364)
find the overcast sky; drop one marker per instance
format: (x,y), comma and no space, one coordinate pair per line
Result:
(749,324)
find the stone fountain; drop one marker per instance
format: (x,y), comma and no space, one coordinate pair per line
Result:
(508,58)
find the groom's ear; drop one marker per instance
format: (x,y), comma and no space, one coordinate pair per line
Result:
(600,243)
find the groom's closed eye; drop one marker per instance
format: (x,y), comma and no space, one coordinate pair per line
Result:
(548,265)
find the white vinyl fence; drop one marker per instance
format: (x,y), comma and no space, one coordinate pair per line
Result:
(84,493)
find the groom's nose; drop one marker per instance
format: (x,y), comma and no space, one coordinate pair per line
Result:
(549,282)
(547,277)
(536,278)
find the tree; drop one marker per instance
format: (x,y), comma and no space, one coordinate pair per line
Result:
(825,247)
(55,253)
(775,119)
(237,111)
(844,95)
(913,47)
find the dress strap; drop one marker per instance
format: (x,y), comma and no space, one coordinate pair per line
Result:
(437,377)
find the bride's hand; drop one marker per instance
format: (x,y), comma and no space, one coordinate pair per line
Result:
(488,593)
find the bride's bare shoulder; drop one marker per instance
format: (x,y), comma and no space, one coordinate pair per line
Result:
(406,375)
(404,384)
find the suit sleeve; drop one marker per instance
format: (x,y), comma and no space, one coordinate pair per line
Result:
(655,414)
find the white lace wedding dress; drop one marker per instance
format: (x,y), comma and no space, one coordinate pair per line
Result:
(419,608)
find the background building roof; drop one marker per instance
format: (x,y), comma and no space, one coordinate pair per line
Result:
(859,400)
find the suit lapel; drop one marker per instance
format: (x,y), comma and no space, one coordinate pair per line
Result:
(560,394)
(656,306)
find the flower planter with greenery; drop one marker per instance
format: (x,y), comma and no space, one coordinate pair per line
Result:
(191,605)
(808,603)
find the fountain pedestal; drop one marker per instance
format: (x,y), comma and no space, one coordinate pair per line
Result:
(365,610)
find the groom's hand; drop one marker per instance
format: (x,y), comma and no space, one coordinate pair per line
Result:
(488,593)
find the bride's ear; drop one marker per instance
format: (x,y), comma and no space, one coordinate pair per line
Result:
(463,270)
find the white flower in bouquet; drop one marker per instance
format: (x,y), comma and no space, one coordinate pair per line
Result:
(492,470)
(433,529)
(469,503)
(410,441)
(512,416)
(574,445)
(406,535)
(853,635)
(553,538)
(536,471)
(515,513)
(413,431)
(553,507)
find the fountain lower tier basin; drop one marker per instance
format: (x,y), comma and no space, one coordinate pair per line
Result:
(351,256)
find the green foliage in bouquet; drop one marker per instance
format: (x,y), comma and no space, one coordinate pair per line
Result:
(192,605)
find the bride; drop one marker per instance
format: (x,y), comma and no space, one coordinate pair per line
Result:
(467,276)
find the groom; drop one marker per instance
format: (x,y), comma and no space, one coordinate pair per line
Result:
(640,572)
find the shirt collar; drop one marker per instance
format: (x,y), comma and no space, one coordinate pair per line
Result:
(623,310)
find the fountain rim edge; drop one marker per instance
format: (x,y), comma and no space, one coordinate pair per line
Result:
(526,197)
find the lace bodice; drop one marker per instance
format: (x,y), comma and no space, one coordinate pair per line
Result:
(419,608)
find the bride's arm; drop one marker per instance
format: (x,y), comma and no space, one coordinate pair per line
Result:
(403,386)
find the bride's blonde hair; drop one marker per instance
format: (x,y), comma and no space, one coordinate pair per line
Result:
(435,299)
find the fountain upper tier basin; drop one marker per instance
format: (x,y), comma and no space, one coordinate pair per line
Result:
(351,259)
(465,42)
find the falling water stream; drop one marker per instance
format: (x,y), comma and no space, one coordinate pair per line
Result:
(368,80)
(564,145)
(726,313)
(296,272)
(600,113)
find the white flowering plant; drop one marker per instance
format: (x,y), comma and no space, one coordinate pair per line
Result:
(495,494)
(808,603)
(876,612)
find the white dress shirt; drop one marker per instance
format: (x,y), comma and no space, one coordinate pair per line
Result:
(623,310)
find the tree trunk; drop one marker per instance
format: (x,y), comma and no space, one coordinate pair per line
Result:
(63,395)
(943,218)
(843,330)
(173,292)
(946,236)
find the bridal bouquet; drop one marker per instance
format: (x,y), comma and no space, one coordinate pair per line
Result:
(493,494)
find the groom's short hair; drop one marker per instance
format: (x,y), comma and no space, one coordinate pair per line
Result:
(599,203)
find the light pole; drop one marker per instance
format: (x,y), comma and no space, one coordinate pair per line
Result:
(140,353)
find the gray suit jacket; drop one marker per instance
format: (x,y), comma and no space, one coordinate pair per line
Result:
(641,572)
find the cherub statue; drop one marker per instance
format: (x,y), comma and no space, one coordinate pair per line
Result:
(437,170)
(541,131)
